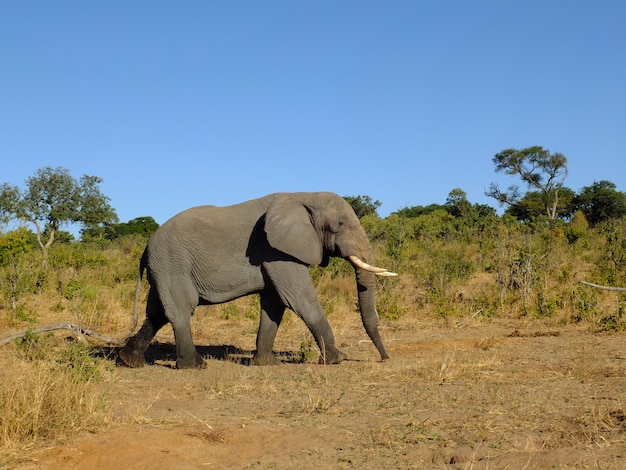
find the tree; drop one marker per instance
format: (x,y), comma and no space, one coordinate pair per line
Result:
(54,198)
(457,203)
(533,205)
(539,169)
(416,211)
(144,226)
(363,205)
(468,214)
(95,211)
(600,202)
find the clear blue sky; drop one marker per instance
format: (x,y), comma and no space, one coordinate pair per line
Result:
(177,104)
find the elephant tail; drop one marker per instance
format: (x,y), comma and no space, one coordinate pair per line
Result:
(142,267)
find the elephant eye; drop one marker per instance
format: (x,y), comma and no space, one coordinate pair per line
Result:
(338,227)
(333,226)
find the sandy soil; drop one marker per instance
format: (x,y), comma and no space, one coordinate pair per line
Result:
(505,394)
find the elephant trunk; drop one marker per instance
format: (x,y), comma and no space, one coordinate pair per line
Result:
(366,283)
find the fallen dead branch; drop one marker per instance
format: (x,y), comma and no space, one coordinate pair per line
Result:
(597,286)
(78,330)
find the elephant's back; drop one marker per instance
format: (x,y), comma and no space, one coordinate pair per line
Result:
(216,218)
(212,227)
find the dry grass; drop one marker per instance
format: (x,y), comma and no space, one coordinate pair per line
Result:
(475,381)
(504,394)
(49,392)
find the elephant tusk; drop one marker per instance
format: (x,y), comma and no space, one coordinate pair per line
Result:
(363,265)
(386,274)
(358,262)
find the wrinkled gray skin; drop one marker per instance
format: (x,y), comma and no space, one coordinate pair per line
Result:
(209,255)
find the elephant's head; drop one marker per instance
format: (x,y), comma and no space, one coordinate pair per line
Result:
(315,226)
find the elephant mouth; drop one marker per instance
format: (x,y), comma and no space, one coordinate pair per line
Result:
(359,263)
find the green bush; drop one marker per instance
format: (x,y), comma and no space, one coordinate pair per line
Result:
(452,259)
(14,244)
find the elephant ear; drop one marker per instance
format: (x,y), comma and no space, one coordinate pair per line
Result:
(289,228)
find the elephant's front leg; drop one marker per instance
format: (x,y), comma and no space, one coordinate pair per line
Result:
(272,310)
(295,289)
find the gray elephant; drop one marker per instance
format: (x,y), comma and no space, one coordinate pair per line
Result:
(209,255)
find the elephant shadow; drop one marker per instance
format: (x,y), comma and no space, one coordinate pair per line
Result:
(164,354)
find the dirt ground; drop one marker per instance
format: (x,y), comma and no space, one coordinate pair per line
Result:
(506,394)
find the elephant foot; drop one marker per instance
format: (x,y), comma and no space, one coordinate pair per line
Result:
(264,359)
(195,362)
(131,358)
(332,356)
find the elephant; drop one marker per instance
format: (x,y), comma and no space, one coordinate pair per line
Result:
(210,255)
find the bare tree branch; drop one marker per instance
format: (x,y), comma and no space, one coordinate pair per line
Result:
(597,286)
(79,330)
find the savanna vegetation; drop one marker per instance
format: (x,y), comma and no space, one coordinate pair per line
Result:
(457,261)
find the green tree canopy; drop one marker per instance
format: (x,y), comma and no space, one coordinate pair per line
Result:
(144,226)
(94,211)
(533,205)
(416,211)
(600,202)
(53,198)
(539,169)
(456,205)
(363,205)
(466,213)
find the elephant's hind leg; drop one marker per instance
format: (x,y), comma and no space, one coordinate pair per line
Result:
(186,352)
(133,353)
(179,304)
